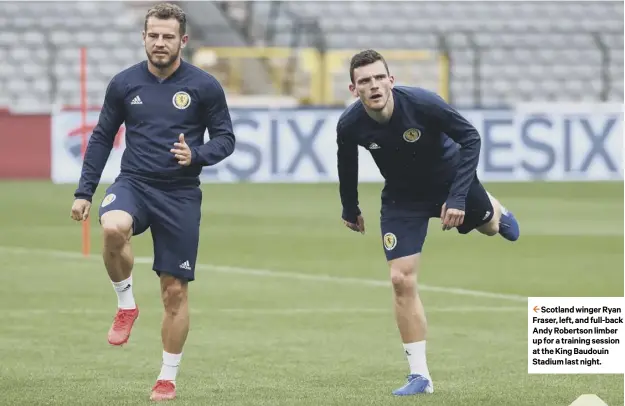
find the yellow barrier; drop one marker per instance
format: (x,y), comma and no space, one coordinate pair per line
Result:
(414,68)
(314,78)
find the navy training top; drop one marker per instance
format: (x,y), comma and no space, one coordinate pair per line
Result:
(156,112)
(426,149)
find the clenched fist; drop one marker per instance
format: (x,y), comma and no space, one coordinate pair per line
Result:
(80,209)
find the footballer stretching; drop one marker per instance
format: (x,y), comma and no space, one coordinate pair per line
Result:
(167,105)
(428,155)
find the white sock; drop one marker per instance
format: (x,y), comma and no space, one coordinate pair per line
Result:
(415,352)
(125,298)
(169,368)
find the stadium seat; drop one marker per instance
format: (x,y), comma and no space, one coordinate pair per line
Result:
(542,50)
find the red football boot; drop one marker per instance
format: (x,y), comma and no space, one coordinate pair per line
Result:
(122,325)
(163,390)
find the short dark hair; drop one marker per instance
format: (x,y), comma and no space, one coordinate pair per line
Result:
(165,11)
(365,58)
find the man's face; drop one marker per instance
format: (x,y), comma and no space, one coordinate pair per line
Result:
(163,41)
(372,84)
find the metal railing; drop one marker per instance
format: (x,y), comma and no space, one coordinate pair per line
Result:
(322,78)
(604,71)
(308,70)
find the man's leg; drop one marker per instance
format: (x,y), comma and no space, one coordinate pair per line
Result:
(502,222)
(176,240)
(410,315)
(403,239)
(487,215)
(174,331)
(175,327)
(491,228)
(117,253)
(117,229)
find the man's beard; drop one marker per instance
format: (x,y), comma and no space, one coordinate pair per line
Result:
(163,63)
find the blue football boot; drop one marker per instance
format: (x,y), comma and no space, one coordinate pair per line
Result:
(508,226)
(416,384)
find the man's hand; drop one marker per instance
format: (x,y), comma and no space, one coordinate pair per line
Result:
(451,218)
(181,151)
(80,209)
(359,226)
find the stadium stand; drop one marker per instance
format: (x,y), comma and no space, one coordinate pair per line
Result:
(40,44)
(499,53)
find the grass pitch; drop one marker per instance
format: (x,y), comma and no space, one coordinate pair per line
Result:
(291,308)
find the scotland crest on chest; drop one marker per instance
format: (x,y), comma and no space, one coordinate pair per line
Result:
(183,106)
(163,105)
(412,135)
(181,100)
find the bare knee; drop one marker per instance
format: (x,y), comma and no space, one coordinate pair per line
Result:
(173,293)
(116,229)
(403,281)
(403,276)
(115,236)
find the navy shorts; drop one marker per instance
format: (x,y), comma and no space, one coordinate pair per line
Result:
(173,217)
(404,226)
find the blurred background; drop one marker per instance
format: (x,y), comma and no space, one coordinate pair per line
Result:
(478,55)
(541,81)
(475,53)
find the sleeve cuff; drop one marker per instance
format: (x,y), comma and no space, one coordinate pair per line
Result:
(83,196)
(351,215)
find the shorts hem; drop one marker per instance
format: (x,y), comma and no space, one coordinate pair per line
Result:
(184,276)
(467,230)
(402,255)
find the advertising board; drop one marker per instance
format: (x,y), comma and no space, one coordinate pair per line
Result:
(551,142)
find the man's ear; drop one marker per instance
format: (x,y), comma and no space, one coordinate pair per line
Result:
(353,90)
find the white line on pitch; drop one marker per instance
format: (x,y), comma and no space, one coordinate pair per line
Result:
(270,312)
(457,309)
(275,274)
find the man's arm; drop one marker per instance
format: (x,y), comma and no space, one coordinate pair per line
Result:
(219,125)
(464,133)
(347,163)
(101,141)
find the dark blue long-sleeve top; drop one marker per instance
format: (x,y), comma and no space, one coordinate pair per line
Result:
(155,113)
(425,150)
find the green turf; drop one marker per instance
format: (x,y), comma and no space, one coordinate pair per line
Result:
(259,339)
